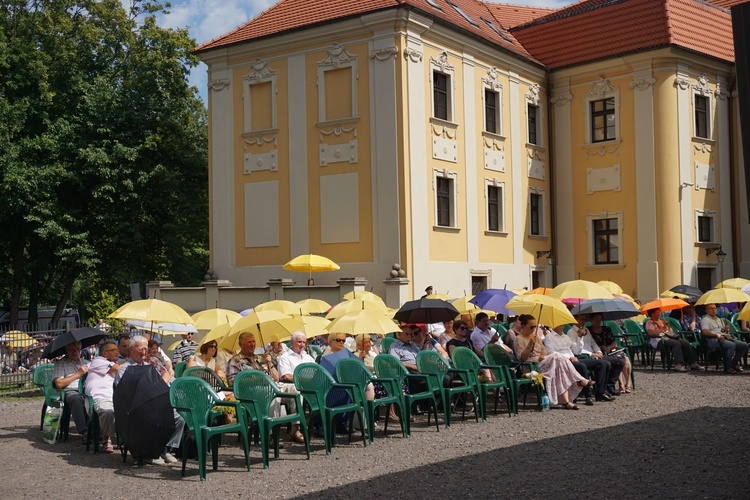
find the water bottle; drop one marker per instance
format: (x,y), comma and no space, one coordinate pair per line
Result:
(545,402)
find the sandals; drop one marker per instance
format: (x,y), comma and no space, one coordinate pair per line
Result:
(586,383)
(738,368)
(568,406)
(107,447)
(297,437)
(627,389)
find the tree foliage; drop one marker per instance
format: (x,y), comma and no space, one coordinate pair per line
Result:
(103,150)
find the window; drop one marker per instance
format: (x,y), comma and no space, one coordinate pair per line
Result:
(495,203)
(445,198)
(491,108)
(337,85)
(536,211)
(440,95)
(706,278)
(701,116)
(705,225)
(478,284)
(606,241)
(603,120)
(533,119)
(259,98)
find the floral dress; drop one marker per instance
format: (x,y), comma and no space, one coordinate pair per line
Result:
(559,372)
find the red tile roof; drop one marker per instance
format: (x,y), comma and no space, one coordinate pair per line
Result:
(727,4)
(595,29)
(512,15)
(289,15)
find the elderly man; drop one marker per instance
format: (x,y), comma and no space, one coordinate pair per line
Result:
(138,354)
(246,359)
(484,334)
(428,343)
(185,349)
(99,385)
(286,363)
(716,333)
(65,375)
(405,349)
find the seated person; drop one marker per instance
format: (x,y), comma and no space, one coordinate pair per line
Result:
(563,383)
(155,358)
(717,334)
(428,343)
(206,357)
(448,334)
(65,375)
(185,349)
(683,353)
(584,343)
(484,334)
(123,347)
(276,349)
(246,359)
(99,385)
(605,339)
(461,337)
(286,364)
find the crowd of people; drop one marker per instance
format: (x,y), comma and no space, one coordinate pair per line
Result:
(578,361)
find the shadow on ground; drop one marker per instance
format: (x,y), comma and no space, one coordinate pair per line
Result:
(701,453)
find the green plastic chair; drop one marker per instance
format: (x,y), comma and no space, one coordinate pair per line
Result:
(193,399)
(93,430)
(316,384)
(433,364)
(353,371)
(314,351)
(43,380)
(207,374)
(386,343)
(496,355)
(387,366)
(464,358)
(256,391)
(179,369)
(637,343)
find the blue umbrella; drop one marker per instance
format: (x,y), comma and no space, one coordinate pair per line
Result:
(494,299)
(610,309)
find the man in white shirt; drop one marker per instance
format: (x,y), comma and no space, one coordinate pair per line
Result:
(484,334)
(584,343)
(99,385)
(716,334)
(557,341)
(286,365)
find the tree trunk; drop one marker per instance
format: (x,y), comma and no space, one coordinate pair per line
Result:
(17,286)
(63,300)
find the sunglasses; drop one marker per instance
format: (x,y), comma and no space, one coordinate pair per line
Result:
(338,340)
(462,328)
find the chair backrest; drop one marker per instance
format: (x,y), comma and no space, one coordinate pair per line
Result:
(193,399)
(256,391)
(386,343)
(179,369)
(206,374)
(496,355)
(500,329)
(43,379)
(632,327)
(314,350)
(465,359)
(315,379)
(674,325)
(614,327)
(353,371)
(432,362)
(387,366)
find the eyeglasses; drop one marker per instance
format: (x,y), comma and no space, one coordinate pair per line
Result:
(338,340)
(461,328)
(212,346)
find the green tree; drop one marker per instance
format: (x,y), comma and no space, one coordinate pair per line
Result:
(103,150)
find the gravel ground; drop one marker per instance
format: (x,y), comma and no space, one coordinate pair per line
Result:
(676,436)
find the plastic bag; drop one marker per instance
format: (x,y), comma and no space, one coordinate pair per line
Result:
(52,422)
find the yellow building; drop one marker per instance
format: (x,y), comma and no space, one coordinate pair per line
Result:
(430,134)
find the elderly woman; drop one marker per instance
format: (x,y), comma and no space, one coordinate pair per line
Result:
(658,330)
(156,359)
(563,381)
(605,339)
(206,357)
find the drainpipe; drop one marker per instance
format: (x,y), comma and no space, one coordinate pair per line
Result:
(550,149)
(732,182)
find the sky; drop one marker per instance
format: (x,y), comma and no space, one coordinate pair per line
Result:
(207,19)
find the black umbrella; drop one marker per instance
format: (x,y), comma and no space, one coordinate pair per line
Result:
(610,309)
(426,310)
(144,417)
(692,292)
(86,336)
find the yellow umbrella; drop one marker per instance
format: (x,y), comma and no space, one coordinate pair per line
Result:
(580,289)
(16,338)
(310,263)
(283,306)
(174,346)
(314,326)
(541,291)
(745,312)
(441,296)
(267,326)
(520,291)
(313,306)
(355,305)
(723,296)
(211,318)
(363,321)
(463,305)
(736,283)
(363,295)
(610,286)
(153,310)
(547,310)
(218,333)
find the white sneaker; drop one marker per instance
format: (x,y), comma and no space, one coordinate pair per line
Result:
(169,458)
(156,461)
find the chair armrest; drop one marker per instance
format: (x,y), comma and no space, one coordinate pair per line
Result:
(349,388)
(420,376)
(232,404)
(391,385)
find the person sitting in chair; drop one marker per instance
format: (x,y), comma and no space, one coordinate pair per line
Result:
(99,385)
(717,334)
(65,375)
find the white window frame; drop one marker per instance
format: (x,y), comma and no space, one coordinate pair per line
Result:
(590,243)
(337,58)
(533,99)
(712,215)
(542,212)
(441,65)
(497,89)
(453,176)
(600,90)
(495,183)
(701,88)
(259,73)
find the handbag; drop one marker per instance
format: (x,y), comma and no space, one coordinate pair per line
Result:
(52,422)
